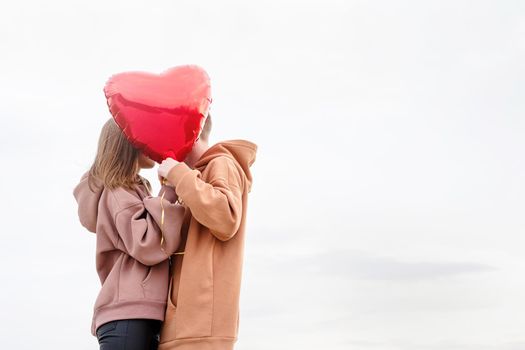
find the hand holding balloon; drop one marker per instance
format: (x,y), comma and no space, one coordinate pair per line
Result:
(164,182)
(165,168)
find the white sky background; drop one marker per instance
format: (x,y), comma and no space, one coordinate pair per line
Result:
(388,203)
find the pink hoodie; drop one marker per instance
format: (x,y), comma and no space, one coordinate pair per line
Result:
(132,266)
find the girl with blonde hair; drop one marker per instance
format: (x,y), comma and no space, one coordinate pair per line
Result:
(136,234)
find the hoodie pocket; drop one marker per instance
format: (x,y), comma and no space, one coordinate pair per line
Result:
(155,284)
(148,276)
(169,325)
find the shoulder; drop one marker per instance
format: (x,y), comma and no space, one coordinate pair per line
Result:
(122,198)
(225,168)
(220,165)
(221,161)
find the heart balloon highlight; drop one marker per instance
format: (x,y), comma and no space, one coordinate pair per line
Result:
(160,114)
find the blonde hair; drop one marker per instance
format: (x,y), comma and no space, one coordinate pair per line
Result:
(116,163)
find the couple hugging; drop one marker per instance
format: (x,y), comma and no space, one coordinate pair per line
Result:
(170,266)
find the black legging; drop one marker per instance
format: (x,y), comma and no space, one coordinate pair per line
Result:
(136,334)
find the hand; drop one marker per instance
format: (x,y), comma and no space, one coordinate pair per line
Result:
(166,166)
(164,182)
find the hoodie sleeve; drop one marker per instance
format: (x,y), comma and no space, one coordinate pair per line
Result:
(216,204)
(139,230)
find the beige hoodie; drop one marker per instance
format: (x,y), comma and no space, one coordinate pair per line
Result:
(203,303)
(132,267)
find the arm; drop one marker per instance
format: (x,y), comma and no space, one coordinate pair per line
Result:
(139,230)
(216,204)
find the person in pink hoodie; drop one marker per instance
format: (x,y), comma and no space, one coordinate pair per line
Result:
(134,243)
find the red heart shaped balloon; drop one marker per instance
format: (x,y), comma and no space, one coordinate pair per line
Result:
(160,114)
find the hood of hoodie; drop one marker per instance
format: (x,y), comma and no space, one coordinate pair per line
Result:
(88,202)
(242,151)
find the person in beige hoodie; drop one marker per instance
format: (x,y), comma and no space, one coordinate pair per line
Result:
(203,302)
(132,248)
